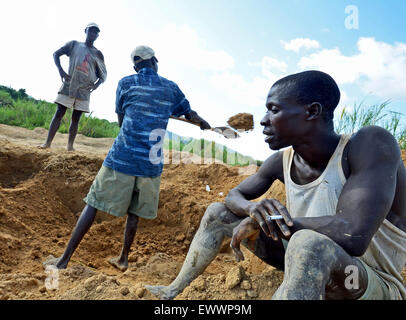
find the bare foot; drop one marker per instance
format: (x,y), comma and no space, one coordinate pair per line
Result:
(115,262)
(162,292)
(56,262)
(44,146)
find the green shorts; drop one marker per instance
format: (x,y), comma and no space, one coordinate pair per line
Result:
(378,288)
(118,194)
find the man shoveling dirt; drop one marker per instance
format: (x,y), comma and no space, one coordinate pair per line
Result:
(343,233)
(242,121)
(129,180)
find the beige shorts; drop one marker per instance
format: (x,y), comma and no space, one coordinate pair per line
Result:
(73,103)
(118,194)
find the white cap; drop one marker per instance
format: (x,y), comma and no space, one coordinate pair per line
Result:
(92,24)
(144,52)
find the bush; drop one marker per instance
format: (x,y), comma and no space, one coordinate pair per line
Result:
(378,115)
(5,99)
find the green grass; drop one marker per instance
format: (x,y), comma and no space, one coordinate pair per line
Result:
(31,114)
(378,115)
(207,150)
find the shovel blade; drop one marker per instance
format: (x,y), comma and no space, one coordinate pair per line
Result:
(226,132)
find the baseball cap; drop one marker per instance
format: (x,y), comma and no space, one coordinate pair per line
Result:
(92,24)
(144,52)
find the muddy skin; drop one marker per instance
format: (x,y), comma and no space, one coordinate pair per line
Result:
(217,223)
(314,270)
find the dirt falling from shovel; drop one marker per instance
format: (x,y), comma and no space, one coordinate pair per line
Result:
(242,121)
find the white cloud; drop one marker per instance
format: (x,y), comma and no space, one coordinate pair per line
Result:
(245,92)
(299,43)
(269,63)
(378,68)
(270,67)
(182,45)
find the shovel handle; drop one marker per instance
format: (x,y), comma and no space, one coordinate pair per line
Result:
(219,130)
(185,120)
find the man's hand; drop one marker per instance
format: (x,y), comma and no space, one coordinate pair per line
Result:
(64,76)
(260,211)
(94,86)
(247,229)
(204,125)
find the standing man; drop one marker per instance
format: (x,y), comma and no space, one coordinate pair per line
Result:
(86,72)
(343,232)
(129,180)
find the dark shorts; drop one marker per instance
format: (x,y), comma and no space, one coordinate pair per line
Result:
(268,250)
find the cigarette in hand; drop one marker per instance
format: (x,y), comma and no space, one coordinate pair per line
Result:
(274,217)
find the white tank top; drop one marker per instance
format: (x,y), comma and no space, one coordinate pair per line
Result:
(387,251)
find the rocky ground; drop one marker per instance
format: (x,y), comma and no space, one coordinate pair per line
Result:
(41,194)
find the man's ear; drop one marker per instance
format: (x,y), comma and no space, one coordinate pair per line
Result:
(314,110)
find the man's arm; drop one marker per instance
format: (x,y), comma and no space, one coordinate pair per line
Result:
(194,117)
(183,108)
(120,118)
(238,199)
(119,104)
(101,71)
(62,51)
(367,195)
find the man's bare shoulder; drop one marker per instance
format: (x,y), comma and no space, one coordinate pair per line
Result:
(257,184)
(272,166)
(372,144)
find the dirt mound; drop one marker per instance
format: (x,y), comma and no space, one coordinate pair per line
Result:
(242,121)
(41,194)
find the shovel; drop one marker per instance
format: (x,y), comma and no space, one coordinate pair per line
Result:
(227,132)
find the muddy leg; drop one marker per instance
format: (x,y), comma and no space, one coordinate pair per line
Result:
(73,128)
(121,262)
(315,269)
(54,126)
(82,226)
(217,223)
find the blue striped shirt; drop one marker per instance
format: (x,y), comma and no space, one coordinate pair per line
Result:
(146,100)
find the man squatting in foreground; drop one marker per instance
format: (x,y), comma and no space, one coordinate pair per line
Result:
(86,72)
(128,181)
(345,203)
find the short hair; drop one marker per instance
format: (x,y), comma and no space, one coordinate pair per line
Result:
(136,60)
(312,86)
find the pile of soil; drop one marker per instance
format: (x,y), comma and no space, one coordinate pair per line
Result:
(41,194)
(242,121)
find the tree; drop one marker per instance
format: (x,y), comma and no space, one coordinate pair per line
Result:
(5,99)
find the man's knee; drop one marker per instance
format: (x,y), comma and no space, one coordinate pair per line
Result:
(213,212)
(217,213)
(307,241)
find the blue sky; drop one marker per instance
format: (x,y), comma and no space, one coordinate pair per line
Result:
(224,55)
